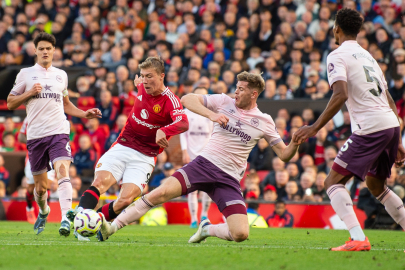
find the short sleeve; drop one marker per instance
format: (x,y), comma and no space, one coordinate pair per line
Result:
(271,134)
(337,70)
(19,85)
(213,102)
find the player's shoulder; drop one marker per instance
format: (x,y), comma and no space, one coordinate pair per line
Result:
(60,71)
(27,70)
(172,101)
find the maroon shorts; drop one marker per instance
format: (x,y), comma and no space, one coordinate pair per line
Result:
(224,190)
(372,154)
(43,150)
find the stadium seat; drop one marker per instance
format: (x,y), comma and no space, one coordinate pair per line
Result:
(262,174)
(116,103)
(78,128)
(106,129)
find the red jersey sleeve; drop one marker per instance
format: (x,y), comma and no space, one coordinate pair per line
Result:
(180,121)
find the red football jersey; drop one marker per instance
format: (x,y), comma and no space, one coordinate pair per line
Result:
(149,114)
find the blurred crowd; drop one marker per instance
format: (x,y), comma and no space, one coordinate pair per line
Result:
(202,42)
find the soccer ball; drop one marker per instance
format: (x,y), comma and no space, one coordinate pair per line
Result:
(87,222)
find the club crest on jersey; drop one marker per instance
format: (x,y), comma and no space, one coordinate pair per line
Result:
(331,67)
(99,165)
(254,122)
(157,108)
(144,114)
(59,78)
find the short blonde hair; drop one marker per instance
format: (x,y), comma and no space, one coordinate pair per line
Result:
(153,62)
(255,81)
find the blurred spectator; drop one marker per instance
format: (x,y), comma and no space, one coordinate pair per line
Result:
(9,143)
(269,193)
(254,218)
(96,133)
(168,170)
(281,182)
(114,133)
(72,171)
(293,171)
(270,179)
(53,190)
(319,188)
(108,110)
(9,126)
(316,148)
(111,84)
(306,182)
(2,189)
(77,186)
(261,157)
(330,155)
(252,182)
(306,161)
(280,217)
(4,174)
(398,89)
(85,159)
(291,189)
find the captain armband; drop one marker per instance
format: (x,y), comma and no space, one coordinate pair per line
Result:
(65,93)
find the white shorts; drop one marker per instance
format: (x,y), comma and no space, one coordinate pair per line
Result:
(30,177)
(127,164)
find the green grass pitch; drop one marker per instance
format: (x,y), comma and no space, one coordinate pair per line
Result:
(137,247)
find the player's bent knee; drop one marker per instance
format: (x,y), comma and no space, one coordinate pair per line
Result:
(240,235)
(122,203)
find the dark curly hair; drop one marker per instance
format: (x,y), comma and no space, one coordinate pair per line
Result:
(349,21)
(44,37)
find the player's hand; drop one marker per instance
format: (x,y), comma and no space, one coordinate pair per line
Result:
(137,80)
(399,161)
(220,118)
(92,113)
(161,139)
(186,157)
(294,140)
(36,89)
(303,133)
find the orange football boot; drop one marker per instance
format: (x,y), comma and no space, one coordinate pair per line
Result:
(353,245)
(31,218)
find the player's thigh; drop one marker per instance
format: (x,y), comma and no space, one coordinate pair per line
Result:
(128,193)
(61,167)
(138,173)
(59,149)
(238,226)
(170,189)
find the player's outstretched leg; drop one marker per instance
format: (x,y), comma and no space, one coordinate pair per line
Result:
(343,206)
(65,193)
(192,199)
(103,180)
(41,196)
(235,229)
(170,189)
(206,202)
(29,197)
(392,203)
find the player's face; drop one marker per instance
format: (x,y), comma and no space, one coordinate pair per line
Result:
(44,52)
(244,96)
(152,81)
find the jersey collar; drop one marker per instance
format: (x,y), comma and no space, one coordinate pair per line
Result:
(38,66)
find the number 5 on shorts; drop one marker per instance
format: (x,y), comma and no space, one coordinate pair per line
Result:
(346,145)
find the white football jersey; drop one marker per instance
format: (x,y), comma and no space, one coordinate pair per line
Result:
(367,103)
(230,146)
(45,113)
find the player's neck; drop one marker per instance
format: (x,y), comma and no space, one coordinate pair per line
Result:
(45,66)
(345,38)
(160,91)
(249,106)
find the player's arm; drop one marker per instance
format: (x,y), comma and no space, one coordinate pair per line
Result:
(285,153)
(339,97)
(399,161)
(15,101)
(72,110)
(178,126)
(183,144)
(195,103)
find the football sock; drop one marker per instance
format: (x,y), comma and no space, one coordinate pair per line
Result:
(108,211)
(220,231)
(89,199)
(133,212)
(41,201)
(206,202)
(394,206)
(343,206)
(65,195)
(29,198)
(193,205)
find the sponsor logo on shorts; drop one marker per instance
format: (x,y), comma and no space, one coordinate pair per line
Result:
(157,108)
(99,165)
(143,123)
(59,78)
(143,186)
(68,148)
(176,112)
(254,122)
(144,114)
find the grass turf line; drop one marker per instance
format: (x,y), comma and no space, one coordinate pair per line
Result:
(166,247)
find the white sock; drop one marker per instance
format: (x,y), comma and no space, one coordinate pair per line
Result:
(356,233)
